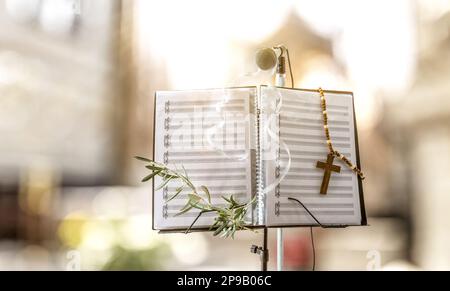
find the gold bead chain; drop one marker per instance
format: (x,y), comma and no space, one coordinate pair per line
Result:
(328,136)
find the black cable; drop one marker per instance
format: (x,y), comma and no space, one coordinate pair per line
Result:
(313,250)
(307,210)
(312,233)
(290,67)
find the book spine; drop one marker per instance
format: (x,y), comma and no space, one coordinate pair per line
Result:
(165,208)
(278,157)
(260,213)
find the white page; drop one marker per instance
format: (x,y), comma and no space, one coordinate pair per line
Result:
(211,134)
(299,124)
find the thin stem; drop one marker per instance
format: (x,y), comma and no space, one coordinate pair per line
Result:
(196,219)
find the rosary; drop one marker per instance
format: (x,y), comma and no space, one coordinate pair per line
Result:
(328,167)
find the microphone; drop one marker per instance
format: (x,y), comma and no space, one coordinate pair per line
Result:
(266,59)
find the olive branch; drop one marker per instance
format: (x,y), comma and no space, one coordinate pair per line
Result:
(229,218)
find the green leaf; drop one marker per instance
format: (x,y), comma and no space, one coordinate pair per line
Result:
(208,194)
(219,230)
(199,206)
(194,198)
(143,159)
(154,168)
(185,172)
(163,184)
(238,213)
(226,232)
(215,224)
(226,199)
(233,201)
(168,175)
(184,210)
(151,176)
(194,201)
(179,190)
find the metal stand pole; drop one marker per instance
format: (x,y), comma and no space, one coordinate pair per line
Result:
(280,249)
(280,81)
(263,251)
(265,256)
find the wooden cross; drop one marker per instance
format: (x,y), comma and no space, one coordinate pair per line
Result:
(328,167)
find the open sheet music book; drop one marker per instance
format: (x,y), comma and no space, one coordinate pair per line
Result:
(261,142)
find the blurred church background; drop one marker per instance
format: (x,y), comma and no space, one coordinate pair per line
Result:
(77,80)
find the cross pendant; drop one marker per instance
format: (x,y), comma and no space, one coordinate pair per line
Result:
(328,167)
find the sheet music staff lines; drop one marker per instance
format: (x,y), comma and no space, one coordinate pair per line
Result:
(300,126)
(207,134)
(221,138)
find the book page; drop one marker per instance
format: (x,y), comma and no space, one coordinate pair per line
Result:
(290,171)
(209,133)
